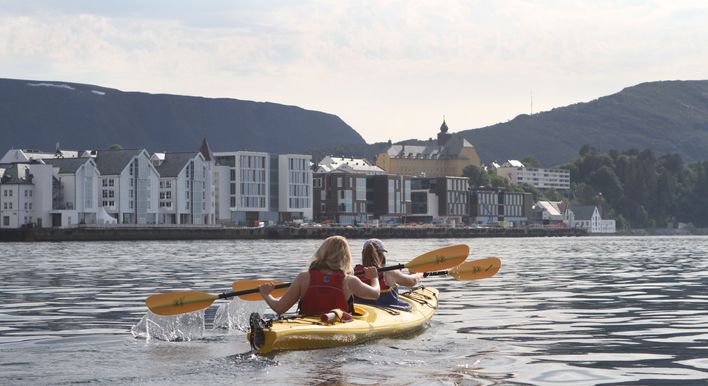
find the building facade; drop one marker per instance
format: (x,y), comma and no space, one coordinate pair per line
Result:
(75,191)
(500,207)
(293,187)
(447,156)
(129,185)
(340,198)
(388,197)
(442,200)
(243,186)
(588,217)
(516,172)
(26,192)
(185,186)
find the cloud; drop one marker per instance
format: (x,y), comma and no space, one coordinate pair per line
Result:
(391,69)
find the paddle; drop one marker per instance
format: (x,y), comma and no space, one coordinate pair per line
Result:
(175,303)
(472,270)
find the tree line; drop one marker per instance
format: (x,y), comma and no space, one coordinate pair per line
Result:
(636,188)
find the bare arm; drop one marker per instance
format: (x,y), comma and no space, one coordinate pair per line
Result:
(360,289)
(293,294)
(398,277)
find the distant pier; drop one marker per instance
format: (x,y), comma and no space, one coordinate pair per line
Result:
(160,232)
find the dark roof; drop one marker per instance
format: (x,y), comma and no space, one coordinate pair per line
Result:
(15,174)
(112,162)
(174,163)
(206,151)
(67,165)
(583,212)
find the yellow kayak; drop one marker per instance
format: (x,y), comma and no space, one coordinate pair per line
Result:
(368,322)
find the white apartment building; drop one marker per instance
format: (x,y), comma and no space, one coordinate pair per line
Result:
(185,188)
(294,188)
(75,199)
(540,178)
(242,191)
(253,187)
(129,185)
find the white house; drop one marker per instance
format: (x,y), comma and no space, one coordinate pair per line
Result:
(588,217)
(548,212)
(129,185)
(75,200)
(25,194)
(348,165)
(185,185)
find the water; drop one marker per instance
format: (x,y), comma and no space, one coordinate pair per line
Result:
(614,310)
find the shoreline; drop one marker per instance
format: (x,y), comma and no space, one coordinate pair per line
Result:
(133,233)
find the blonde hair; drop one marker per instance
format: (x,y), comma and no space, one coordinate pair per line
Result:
(334,255)
(371,258)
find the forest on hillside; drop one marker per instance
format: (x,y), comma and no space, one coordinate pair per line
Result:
(636,188)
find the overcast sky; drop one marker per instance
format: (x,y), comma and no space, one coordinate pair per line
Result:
(389,69)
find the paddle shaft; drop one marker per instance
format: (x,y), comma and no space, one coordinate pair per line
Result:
(231,294)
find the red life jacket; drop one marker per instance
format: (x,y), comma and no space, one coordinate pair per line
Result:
(325,292)
(382,280)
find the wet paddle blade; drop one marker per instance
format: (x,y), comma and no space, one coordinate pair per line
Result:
(252,285)
(476,269)
(175,303)
(439,259)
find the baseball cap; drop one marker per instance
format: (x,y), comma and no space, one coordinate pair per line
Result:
(378,244)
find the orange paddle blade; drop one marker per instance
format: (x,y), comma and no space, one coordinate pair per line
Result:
(476,269)
(439,259)
(174,303)
(245,285)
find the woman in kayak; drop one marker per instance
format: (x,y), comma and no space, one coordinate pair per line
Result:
(328,284)
(373,255)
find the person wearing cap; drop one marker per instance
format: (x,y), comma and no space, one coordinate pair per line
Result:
(374,255)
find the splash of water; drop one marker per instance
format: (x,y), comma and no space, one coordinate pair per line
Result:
(183,327)
(234,314)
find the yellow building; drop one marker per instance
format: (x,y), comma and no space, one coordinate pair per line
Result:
(445,157)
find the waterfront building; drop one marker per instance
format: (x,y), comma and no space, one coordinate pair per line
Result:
(348,165)
(129,185)
(242,192)
(25,194)
(75,191)
(185,185)
(291,187)
(388,197)
(500,207)
(439,200)
(254,187)
(588,217)
(540,178)
(340,197)
(548,213)
(446,156)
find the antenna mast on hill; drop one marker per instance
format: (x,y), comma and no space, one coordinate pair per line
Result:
(531,102)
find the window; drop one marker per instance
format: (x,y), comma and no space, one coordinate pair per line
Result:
(6,220)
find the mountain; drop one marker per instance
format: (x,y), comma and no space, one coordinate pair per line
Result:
(38,114)
(667,117)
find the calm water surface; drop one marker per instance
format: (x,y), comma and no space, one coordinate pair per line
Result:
(614,310)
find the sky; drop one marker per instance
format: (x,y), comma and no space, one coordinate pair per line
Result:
(390,69)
